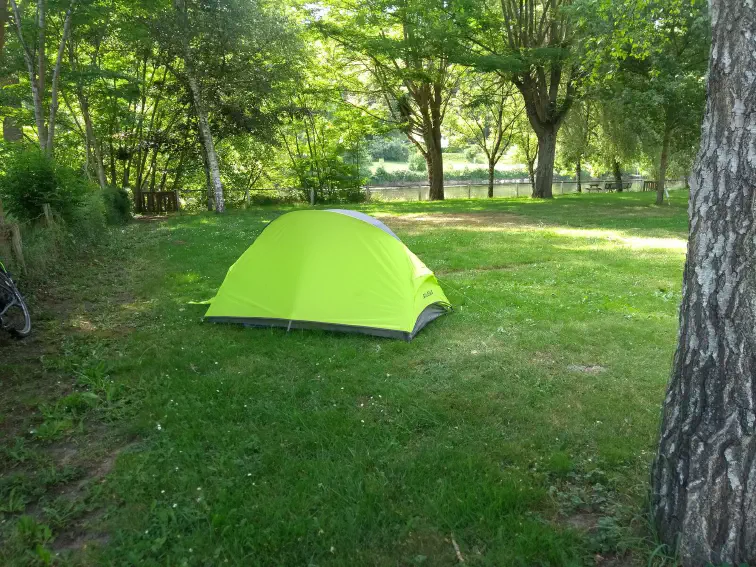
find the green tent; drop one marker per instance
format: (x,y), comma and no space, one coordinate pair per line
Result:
(338,270)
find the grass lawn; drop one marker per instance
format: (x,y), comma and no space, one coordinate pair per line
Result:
(516,431)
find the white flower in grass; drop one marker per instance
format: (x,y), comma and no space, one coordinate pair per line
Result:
(174,504)
(159,427)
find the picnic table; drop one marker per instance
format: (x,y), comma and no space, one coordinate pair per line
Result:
(612,186)
(609,186)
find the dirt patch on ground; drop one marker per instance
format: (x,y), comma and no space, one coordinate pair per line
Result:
(583,521)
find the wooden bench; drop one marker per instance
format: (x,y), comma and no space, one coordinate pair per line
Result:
(649,185)
(613,186)
(594,187)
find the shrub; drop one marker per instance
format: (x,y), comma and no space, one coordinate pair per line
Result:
(471,154)
(417,163)
(33,179)
(89,220)
(117,205)
(389,148)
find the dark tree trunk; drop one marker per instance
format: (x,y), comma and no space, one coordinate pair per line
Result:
(663,161)
(578,175)
(491,172)
(544,175)
(704,474)
(434,154)
(435,176)
(545,113)
(617,170)
(531,175)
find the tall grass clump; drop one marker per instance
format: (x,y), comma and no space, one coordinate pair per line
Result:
(78,216)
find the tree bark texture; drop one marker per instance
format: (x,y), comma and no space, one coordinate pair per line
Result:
(544,174)
(704,475)
(663,161)
(436,175)
(578,175)
(491,173)
(430,102)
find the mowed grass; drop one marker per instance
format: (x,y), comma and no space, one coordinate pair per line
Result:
(518,429)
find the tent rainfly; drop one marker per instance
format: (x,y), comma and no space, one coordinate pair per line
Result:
(335,269)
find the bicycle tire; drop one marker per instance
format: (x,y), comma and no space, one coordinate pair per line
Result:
(18,300)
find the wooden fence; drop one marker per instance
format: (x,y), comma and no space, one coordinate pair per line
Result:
(157,202)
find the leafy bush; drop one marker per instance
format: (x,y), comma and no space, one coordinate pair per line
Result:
(390,149)
(417,163)
(33,179)
(89,220)
(472,154)
(117,205)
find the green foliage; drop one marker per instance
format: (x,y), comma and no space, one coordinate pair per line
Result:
(418,163)
(117,205)
(388,148)
(32,179)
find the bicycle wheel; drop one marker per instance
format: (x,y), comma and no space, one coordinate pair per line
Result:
(14,314)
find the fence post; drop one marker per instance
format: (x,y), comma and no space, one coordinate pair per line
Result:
(469,191)
(561,187)
(48,214)
(16,245)
(312,196)
(420,194)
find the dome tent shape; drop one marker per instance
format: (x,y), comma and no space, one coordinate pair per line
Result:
(330,269)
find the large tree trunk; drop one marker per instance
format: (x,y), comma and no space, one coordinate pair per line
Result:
(435,162)
(704,475)
(434,154)
(663,161)
(544,175)
(578,175)
(211,156)
(617,171)
(50,143)
(544,112)
(491,173)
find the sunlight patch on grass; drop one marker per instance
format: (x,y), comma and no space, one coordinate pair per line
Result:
(637,242)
